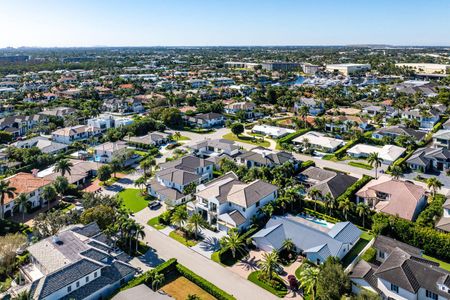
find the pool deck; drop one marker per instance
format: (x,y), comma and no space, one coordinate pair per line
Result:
(309,223)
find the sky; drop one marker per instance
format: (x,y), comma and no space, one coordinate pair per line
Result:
(85,23)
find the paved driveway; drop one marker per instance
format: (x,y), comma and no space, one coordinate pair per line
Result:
(210,243)
(167,248)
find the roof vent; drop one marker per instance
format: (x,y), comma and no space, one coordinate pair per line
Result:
(56,240)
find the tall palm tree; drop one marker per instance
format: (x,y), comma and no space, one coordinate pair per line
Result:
(434,184)
(362,210)
(396,172)
(346,206)
(179,216)
(375,161)
(196,222)
(63,166)
(139,233)
(157,280)
(330,202)
(22,202)
(49,193)
(288,245)
(314,194)
(5,190)
(177,135)
(303,112)
(234,242)
(61,185)
(308,278)
(268,263)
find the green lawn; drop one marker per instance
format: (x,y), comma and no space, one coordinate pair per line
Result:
(245,139)
(363,241)
(360,165)
(154,222)
(444,265)
(133,200)
(281,292)
(182,138)
(179,238)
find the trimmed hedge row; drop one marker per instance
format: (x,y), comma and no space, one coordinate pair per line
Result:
(288,138)
(165,267)
(399,162)
(204,284)
(306,164)
(350,192)
(341,151)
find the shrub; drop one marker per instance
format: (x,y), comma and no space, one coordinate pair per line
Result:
(204,284)
(306,165)
(350,192)
(369,255)
(432,213)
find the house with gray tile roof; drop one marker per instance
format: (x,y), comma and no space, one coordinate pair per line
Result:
(215,148)
(400,130)
(173,177)
(77,263)
(226,202)
(260,156)
(429,159)
(444,222)
(43,144)
(316,241)
(400,273)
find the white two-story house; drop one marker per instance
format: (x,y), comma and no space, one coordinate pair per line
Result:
(68,135)
(227,203)
(173,177)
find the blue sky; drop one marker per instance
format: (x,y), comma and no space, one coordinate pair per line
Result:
(223,22)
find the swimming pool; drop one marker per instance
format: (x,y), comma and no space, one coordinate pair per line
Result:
(316,220)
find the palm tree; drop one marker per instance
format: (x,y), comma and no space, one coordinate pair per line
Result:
(196,222)
(49,193)
(139,233)
(346,206)
(24,295)
(396,172)
(375,161)
(314,194)
(22,202)
(303,112)
(234,242)
(5,190)
(362,210)
(61,185)
(177,135)
(288,245)
(157,280)
(330,202)
(179,216)
(434,184)
(63,166)
(267,210)
(268,263)
(116,165)
(308,278)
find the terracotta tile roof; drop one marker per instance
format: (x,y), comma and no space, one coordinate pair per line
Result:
(25,183)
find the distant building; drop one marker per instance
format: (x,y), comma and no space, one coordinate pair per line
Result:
(348,69)
(280,66)
(310,68)
(425,68)
(207,120)
(272,131)
(14,58)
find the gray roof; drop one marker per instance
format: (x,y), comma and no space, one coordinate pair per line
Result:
(402,130)
(334,183)
(387,245)
(141,292)
(187,163)
(412,272)
(222,144)
(309,238)
(423,156)
(178,176)
(268,159)
(44,144)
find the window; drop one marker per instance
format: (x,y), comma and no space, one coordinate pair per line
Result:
(95,275)
(69,289)
(431,295)
(381,254)
(394,288)
(243,209)
(257,204)
(78,284)
(87,279)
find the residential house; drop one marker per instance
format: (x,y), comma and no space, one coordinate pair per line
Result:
(394,197)
(80,173)
(444,222)
(197,83)
(68,135)
(426,119)
(442,139)
(152,139)
(59,112)
(207,120)
(401,273)
(106,121)
(28,184)
(123,106)
(429,159)
(326,182)
(171,180)
(388,153)
(208,148)
(316,241)
(106,152)
(315,107)
(272,131)
(227,203)
(319,141)
(373,110)
(45,145)
(20,125)
(77,263)
(259,157)
(396,131)
(247,107)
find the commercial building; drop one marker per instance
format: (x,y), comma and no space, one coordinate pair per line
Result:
(424,68)
(348,69)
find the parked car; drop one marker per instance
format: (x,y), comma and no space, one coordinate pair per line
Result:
(154,204)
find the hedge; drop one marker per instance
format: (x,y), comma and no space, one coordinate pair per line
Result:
(163,268)
(432,213)
(341,151)
(399,162)
(288,138)
(204,284)
(350,192)
(306,164)
(280,292)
